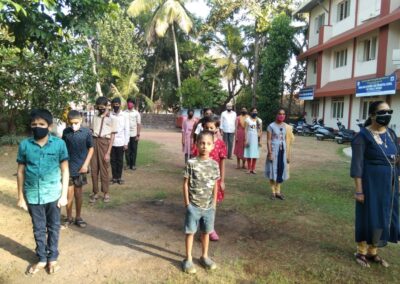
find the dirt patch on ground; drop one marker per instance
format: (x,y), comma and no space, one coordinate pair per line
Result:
(142,241)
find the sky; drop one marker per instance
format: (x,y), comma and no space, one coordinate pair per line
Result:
(198,8)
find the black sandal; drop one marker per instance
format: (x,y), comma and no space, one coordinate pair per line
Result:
(362,260)
(280,196)
(80,223)
(377,259)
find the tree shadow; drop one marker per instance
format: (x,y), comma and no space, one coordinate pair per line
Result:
(17,249)
(120,240)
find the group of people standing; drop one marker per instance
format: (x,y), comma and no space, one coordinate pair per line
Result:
(52,171)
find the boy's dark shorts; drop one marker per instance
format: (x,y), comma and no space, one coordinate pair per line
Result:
(196,216)
(78,181)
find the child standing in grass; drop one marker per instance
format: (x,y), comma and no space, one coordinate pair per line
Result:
(42,187)
(200,197)
(218,154)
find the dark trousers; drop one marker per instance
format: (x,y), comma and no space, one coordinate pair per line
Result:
(228,139)
(117,161)
(46,229)
(99,166)
(131,154)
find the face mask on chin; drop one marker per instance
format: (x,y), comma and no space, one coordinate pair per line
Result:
(39,132)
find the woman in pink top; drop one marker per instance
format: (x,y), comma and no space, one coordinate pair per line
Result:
(187,127)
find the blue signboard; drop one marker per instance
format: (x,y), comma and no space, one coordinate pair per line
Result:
(306,94)
(376,87)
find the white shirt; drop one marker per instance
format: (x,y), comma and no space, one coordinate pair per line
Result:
(228,121)
(122,135)
(134,120)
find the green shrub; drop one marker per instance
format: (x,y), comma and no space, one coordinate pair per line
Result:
(11,139)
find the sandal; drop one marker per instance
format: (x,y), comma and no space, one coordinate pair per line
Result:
(362,260)
(273,196)
(280,196)
(80,223)
(52,267)
(377,259)
(35,268)
(93,198)
(106,198)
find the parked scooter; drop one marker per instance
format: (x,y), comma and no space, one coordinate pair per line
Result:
(323,132)
(346,135)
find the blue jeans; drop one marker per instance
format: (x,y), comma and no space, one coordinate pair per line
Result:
(46,229)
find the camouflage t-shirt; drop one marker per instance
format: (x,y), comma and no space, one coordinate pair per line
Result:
(202,175)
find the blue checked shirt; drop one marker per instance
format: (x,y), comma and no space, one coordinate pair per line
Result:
(42,183)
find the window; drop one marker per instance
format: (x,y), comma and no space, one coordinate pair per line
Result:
(341,58)
(337,107)
(343,10)
(369,49)
(315,109)
(365,103)
(314,62)
(319,22)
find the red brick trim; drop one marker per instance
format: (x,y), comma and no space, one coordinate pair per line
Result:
(385,7)
(350,109)
(353,64)
(319,69)
(382,51)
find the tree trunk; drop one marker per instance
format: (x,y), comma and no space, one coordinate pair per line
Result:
(94,67)
(178,72)
(153,85)
(256,63)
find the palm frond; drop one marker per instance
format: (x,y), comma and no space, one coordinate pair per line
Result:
(139,6)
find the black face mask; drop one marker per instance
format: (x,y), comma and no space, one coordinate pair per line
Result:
(116,108)
(101,111)
(229,110)
(383,119)
(39,132)
(254,115)
(190,115)
(244,112)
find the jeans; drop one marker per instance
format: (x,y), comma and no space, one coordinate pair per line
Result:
(198,217)
(46,229)
(131,154)
(228,139)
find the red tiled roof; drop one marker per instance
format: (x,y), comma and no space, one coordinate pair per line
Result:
(353,33)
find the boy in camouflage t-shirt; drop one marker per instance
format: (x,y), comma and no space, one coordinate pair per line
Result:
(200,197)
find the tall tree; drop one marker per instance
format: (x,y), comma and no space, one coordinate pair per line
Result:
(165,14)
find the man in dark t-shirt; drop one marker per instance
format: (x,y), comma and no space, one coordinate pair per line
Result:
(79,143)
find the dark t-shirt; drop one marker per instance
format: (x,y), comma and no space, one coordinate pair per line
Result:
(78,144)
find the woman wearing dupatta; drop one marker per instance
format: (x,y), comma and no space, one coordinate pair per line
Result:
(374,167)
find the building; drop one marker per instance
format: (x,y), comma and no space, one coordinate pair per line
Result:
(350,41)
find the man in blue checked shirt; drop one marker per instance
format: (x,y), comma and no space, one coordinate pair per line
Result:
(43,177)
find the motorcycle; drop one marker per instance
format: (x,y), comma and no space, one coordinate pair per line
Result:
(346,135)
(324,132)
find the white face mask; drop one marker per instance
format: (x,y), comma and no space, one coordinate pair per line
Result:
(76,126)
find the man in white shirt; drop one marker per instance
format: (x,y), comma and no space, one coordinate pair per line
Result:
(228,127)
(121,141)
(134,133)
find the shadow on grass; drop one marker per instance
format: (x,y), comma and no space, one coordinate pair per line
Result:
(17,249)
(120,240)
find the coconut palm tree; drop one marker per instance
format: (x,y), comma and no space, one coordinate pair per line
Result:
(165,14)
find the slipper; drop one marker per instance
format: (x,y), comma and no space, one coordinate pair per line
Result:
(93,198)
(80,223)
(53,267)
(280,196)
(377,259)
(35,268)
(106,198)
(361,259)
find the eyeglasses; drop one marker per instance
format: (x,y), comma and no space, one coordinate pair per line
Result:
(384,111)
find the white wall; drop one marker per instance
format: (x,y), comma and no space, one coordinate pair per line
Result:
(393,43)
(326,67)
(395,105)
(394,4)
(368,9)
(313,35)
(355,113)
(311,77)
(345,24)
(329,120)
(345,71)
(361,67)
